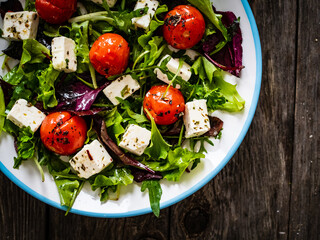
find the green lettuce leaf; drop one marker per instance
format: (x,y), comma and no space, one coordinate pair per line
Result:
(79,32)
(158,149)
(234,102)
(2,109)
(26,144)
(33,52)
(205,6)
(155,193)
(13,77)
(47,78)
(110,180)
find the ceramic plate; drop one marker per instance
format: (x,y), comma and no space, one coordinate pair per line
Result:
(132,202)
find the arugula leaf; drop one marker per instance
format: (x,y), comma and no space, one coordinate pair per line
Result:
(205,6)
(154,25)
(47,79)
(155,192)
(30,5)
(113,120)
(79,32)
(158,148)
(26,143)
(2,110)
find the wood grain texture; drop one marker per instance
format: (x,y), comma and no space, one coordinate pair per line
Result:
(268,190)
(21,216)
(305,195)
(249,198)
(80,227)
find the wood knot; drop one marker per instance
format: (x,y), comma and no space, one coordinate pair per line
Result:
(196,221)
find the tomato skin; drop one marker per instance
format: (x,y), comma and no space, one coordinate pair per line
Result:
(184,27)
(109,54)
(63,133)
(56,11)
(166,110)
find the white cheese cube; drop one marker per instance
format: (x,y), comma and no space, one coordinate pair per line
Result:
(173,66)
(136,139)
(91,159)
(189,52)
(23,114)
(64,54)
(196,118)
(110,3)
(20,25)
(145,20)
(123,87)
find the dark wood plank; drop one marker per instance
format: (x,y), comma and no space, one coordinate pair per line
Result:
(305,201)
(249,199)
(80,227)
(22,216)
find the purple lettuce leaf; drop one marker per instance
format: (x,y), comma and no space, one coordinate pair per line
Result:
(216,125)
(141,175)
(77,96)
(229,58)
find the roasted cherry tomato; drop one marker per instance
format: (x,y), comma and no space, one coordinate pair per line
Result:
(109,55)
(165,107)
(63,133)
(56,11)
(184,27)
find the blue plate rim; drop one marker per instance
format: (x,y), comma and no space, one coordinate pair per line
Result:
(200,184)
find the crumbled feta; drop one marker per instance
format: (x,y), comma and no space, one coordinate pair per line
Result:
(189,52)
(110,3)
(173,66)
(196,118)
(20,25)
(123,87)
(145,20)
(136,139)
(23,114)
(64,54)
(91,159)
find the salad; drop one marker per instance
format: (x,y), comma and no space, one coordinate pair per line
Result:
(113,92)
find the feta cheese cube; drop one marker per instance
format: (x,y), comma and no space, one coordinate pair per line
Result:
(145,20)
(173,66)
(110,3)
(23,114)
(20,25)
(64,54)
(189,52)
(136,139)
(123,87)
(196,118)
(91,159)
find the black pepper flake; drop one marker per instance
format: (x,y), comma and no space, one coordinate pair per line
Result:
(83,167)
(170,102)
(160,114)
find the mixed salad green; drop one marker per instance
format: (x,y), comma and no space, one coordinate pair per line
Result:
(35,80)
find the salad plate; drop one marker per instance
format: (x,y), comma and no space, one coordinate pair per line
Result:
(132,201)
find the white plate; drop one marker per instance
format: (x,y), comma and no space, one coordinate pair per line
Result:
(132,202)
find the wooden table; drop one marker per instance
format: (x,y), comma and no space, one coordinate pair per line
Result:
(271,187)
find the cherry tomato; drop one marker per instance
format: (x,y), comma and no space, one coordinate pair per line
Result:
(109,55)
(56,11)
(63,133)
(184,27)
(164,109)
